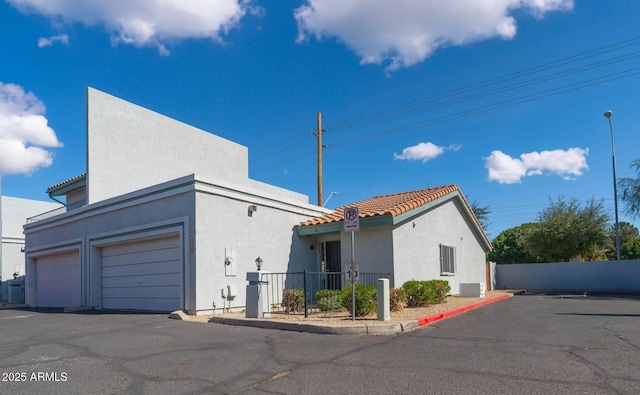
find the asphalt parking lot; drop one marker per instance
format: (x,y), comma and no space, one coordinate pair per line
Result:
(533,344)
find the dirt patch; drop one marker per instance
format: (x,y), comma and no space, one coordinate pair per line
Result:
(344,317)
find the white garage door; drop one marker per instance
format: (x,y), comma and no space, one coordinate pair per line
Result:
(142,275)
(58,280)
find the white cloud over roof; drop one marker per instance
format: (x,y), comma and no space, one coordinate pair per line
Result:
(568,164)
(146,22)
(23,131)
(424,152)
(401,33)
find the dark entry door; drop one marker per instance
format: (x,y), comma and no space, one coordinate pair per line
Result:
(332,256)
(333,265)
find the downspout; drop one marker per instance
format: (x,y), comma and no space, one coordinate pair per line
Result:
(52,198)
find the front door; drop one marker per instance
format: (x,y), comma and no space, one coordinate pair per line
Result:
(332,264)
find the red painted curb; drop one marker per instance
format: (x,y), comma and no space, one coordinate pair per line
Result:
(437,317)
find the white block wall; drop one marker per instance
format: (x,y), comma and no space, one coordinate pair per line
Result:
(571,276)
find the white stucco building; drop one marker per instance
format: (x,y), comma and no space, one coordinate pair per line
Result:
(418,235)
(13,215)
(166,218)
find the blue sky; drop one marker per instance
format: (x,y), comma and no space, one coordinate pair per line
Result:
(504,98)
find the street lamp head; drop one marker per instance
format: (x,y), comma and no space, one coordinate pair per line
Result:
(608,113)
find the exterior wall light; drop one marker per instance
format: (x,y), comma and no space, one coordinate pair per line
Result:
(258,263)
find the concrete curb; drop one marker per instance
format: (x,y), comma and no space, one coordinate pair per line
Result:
(451,313)
(364,329)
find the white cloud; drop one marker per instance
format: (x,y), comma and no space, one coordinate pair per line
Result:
(568,164)
(23,131)
(424,151)
(47,42)
(401,33)
(147,22)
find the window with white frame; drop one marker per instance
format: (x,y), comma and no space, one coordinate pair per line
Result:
(447,260)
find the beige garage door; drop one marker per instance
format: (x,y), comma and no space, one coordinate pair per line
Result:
(58,280)
(143,275)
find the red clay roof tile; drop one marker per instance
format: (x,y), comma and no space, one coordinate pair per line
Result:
(394,205)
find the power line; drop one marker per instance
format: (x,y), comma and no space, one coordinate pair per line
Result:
(410,108)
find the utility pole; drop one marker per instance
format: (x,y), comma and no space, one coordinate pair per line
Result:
(318,134)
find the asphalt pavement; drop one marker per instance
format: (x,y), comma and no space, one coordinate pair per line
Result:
(528,344)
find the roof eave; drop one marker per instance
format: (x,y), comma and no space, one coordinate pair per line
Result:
(338,226)
(69,186)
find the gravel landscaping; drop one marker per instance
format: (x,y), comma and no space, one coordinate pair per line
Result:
(344,317)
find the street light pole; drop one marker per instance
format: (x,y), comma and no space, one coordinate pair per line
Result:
(607,114)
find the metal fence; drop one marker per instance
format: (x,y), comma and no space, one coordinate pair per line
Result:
(297,292)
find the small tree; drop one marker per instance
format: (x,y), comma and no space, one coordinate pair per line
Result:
(630,188)
(629,235)
(510,246)
(567,230)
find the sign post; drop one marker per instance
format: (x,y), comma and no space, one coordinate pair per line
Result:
(352,224)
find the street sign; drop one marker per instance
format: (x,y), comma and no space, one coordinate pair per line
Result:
(353,272)
(351,219)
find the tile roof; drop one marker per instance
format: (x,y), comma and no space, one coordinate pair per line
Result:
(396,204)
(393,204)
(69,181)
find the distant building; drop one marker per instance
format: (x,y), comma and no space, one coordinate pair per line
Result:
(13,215)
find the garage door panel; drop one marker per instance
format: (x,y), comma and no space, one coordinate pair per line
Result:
(172,254)
(141,269)
(162,292)
(153,304)
(143,280)
(143,275)
(132,247)
(58,280)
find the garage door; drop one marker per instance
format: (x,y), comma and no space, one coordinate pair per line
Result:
(142,275)
(58,280)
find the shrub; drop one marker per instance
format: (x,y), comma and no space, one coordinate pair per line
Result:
(426,293)
(397,299)
(293,300)
(441,289)
(365,299)
(329,299)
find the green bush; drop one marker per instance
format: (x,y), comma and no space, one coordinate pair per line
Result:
(293,300)
(397,299)
(426,293)
(329,299)
(365,299)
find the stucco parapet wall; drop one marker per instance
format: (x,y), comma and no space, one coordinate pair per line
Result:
(289,201)
(178,186)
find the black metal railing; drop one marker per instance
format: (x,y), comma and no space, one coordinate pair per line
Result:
(57,211)
(299,292)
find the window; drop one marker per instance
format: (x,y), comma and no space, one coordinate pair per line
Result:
(447,260)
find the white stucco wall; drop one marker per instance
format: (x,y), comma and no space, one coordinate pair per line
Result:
(76,196)
(373,249)
(223,223)
(130,147)
(417,253)
(13,215)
